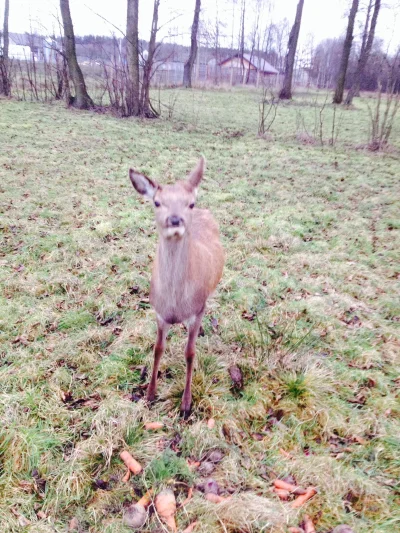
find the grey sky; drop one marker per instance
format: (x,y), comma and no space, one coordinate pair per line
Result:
(322,18)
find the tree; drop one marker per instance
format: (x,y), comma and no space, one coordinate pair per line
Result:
(81,100)
(286,91)
(188,68)
(368,39)
(344,62)
(4,60)
(241,36)
(146,109)
(132,52)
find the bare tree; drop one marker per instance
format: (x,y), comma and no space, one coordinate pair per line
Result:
(146,109)
(381,124)
(338,96)
(4,59)
(286,91)
(188,68)
(81,100)
(241,37)
(132,51)
(368,39)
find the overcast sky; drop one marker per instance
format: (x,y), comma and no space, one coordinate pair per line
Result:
(322,18)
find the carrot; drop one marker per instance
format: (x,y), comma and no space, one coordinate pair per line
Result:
(301,500)
(190,528)
(210,423)
(283,494)
(126,477)
(153,425)
(165,505)
(215,498)
(279,484)
(193,465)
(146,498)
(131,463)
(295,530)
(285,453)
(189,497)
(308,524)
(135,515)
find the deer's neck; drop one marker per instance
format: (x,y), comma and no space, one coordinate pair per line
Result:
(173,259)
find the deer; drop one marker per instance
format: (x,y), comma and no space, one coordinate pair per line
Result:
(187,268)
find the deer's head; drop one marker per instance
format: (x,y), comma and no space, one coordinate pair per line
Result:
(173,204)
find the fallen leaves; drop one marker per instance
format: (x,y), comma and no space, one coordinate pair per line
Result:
(236,377)
(22,520)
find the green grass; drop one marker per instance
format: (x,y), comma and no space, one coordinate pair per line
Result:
(308,309)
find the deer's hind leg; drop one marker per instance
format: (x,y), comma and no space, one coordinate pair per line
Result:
(159,348)
(190,352)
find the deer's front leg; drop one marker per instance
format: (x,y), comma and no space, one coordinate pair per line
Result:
(162,330)
(190,352)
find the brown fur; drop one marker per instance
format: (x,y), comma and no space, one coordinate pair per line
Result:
(187,268)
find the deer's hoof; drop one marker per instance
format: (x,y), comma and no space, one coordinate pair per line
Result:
(150,397)
(185,412)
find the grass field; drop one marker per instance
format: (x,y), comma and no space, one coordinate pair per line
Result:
(308,309)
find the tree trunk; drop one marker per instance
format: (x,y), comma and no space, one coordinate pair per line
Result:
(364,39)
(243,13)
(81,99)
(5,86)
(338,97)
(188,68)
(286,91)
(364,55)
(132,52)
(146,109)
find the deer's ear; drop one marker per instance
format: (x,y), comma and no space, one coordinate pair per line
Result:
(196,175)
(143,184)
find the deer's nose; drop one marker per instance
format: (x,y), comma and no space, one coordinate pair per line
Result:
(174,220)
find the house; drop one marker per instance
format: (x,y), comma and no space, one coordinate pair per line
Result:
(26,46)
(249,69)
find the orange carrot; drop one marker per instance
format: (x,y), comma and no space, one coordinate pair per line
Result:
(283,494)
(126,477)
(285,454)
(190,528)
(146,498)
(153,425)
(301,500)
(165,505)
(308,524)
(295,530)
(279,484)
(131,463)
(215,498)
(189,497)
(210,423)
(193,464)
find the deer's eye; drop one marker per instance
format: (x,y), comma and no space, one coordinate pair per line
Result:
(191,205)
(157,204)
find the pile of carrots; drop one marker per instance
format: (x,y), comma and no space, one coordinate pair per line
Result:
(165,506)
(284,490)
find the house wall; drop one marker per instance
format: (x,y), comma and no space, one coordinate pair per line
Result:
(17,51)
